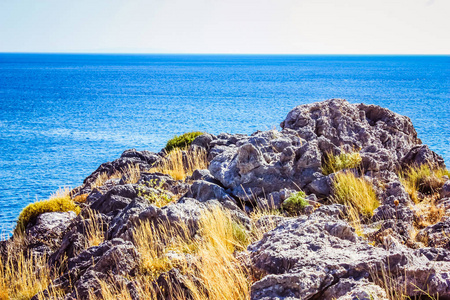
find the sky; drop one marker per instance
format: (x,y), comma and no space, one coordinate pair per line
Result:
(226,26)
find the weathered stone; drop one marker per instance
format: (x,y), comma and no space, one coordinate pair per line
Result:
(143,159)
(45,234)
(350,289)
(437,235)
(115,199)
(203,141)
(422,155)
(445,190)
(305,256)
(111,258)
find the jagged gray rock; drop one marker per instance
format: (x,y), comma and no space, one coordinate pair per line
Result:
(306,256)
(45,234)
(445,190)
(351,289)
(250,167)
(144,159)
(114,257)
(437,235)
(422,155)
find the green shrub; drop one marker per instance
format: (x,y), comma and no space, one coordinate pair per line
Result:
(345,160)
(57,203)
(183,141)
(295,203)
(240,235)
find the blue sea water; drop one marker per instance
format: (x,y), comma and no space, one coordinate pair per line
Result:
(61,116)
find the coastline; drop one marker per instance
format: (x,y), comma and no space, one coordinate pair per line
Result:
(348,188)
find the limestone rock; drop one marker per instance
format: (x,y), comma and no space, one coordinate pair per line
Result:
(305,256)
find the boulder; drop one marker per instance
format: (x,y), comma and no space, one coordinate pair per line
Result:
(45,234)
(422,155)
(115,257)
(445,190)
(350,289)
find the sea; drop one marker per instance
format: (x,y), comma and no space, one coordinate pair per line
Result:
(62,115)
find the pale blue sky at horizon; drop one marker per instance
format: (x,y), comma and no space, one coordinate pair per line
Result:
(226,26)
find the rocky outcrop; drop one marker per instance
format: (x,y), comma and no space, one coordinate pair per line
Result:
(315,254)
(143,159)
(265,162)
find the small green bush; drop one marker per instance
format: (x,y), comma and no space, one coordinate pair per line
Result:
(183,141)
(240,235)
(345,160)
(59,203)
(295,203)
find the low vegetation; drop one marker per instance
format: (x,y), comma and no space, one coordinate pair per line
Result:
(427,213)
(183,141)
(422,179)
(346,160)
(207,261)
(180,164)
(295,203)
(355,192)
(61,202)
(154,192)
(23,275)
(130,174)
(94,229)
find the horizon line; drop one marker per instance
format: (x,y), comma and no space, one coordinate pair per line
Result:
(231,54)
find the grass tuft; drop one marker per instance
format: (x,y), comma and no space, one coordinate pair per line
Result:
(355,192)
(59,202)
(183,141)
(179,164)
(94,230)
(131,174)
(213,272)
(423,179)
(345,160)
(24,275)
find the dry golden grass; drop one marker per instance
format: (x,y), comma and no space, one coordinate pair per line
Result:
(121,292)
(23,276)
(220,275)
(354,219)
(103,177)
(151,242)
(80,198)
(94,229)
(422,179)
(355,192)
(268,223)
(395,290)
(179,167)
(131,174)
(345,160)
(427,213)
